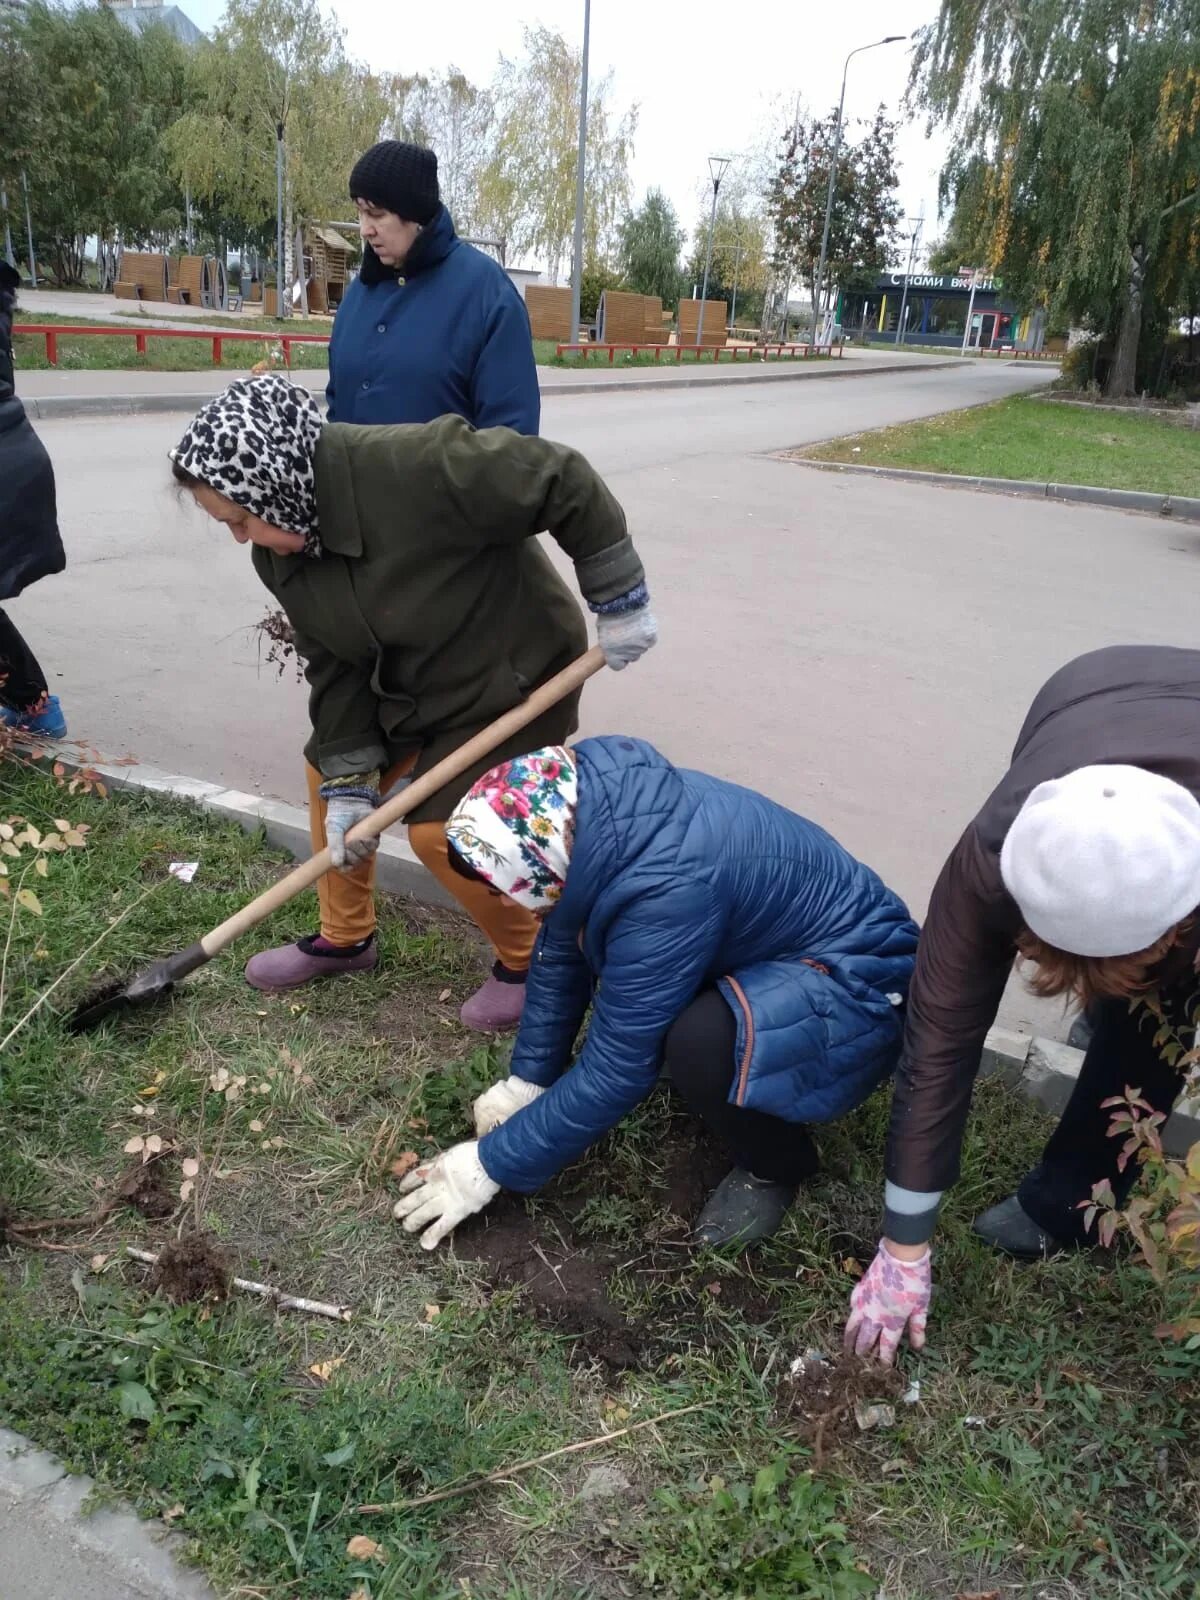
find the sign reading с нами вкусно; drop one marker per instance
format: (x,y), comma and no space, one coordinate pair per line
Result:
(927,280)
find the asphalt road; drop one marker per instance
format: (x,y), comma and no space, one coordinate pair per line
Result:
(863,650)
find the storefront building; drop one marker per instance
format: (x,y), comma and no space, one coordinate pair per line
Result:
(935,309)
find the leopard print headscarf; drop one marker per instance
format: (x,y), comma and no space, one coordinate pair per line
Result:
(255,444)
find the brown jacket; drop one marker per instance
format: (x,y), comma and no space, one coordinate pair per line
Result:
(1132,705)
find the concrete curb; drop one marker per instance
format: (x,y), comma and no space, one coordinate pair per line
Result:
(1048,1070)
(285,827)
(53,1546)
(1182,508)
(57,408)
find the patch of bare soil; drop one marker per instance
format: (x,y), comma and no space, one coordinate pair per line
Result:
(568,1277)
(566,1286)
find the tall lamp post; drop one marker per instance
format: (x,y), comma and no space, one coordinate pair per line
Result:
(716,167)
(580,174)
(818,314)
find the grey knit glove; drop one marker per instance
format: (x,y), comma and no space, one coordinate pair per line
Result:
(349,801)
(624,636)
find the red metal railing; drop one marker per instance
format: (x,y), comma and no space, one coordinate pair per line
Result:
(794,351)
(53,332)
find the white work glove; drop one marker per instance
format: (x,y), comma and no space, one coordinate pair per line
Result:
(497,1104)
(344,808)
(626,635)
(892,1297)
(444,1192)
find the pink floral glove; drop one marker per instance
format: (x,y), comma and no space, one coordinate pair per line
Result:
(892,1296)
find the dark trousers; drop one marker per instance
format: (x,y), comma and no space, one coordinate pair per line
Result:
(22,681)
(700,1057)
(1080,1152)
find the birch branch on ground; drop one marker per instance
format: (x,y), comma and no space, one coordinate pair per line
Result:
(284,1302)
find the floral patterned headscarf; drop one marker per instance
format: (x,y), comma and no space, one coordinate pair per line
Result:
(517,825)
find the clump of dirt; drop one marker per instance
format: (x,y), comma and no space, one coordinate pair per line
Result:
(146,1189)
(100,992)
(822,1395)
(192,1269)
(566,1287)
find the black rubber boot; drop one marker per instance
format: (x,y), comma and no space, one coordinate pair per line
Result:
(1009,1228)
(743,1209)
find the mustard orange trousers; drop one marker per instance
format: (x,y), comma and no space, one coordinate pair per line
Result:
(348,898)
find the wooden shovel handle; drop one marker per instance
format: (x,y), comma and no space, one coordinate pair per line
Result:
(458,762)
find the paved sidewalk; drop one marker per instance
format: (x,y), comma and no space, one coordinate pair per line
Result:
(33,304)
(53,1546)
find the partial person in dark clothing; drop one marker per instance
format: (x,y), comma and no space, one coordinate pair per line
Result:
(1085,864)
(432,327)
(30,544)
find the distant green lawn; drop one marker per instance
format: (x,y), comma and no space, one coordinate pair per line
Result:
(1023,437)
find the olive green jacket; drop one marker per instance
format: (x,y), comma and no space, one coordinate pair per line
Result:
(433,609)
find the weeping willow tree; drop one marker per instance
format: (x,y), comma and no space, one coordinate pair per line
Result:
(1076,165)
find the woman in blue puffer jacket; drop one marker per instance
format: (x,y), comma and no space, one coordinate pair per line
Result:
(713,932)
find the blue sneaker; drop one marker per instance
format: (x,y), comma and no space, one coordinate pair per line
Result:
(49,723)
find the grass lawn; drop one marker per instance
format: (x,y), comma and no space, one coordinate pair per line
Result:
(1053,1449)
(1023,437)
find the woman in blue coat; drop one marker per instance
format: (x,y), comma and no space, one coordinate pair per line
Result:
(710,930)
(431,326)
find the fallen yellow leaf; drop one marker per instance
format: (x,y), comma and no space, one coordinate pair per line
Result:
(174,1512)
(852,1267)
(432,1312)
(324,1370)
(360,1548)
(404,1163)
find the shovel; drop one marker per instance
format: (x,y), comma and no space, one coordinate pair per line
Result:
(158,980)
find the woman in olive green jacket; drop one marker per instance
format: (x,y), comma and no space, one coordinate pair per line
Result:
(423,608)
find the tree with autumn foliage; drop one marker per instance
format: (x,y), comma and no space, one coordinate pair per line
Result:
(866,212)
(1076,164)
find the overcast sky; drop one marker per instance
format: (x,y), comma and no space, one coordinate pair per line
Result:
(712,88)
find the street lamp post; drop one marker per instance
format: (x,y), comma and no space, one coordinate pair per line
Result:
(912,256)
(281,298)
(716,167)
(580,174)
(818,291)
(33,277)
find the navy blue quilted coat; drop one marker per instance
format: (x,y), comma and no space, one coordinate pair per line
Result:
(679,881)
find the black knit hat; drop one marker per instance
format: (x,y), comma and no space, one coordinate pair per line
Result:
(400,177)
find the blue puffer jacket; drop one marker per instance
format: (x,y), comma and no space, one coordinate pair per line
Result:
(452,338)
(678,881)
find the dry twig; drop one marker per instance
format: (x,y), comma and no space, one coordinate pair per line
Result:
(284,1302)
(474,1484)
